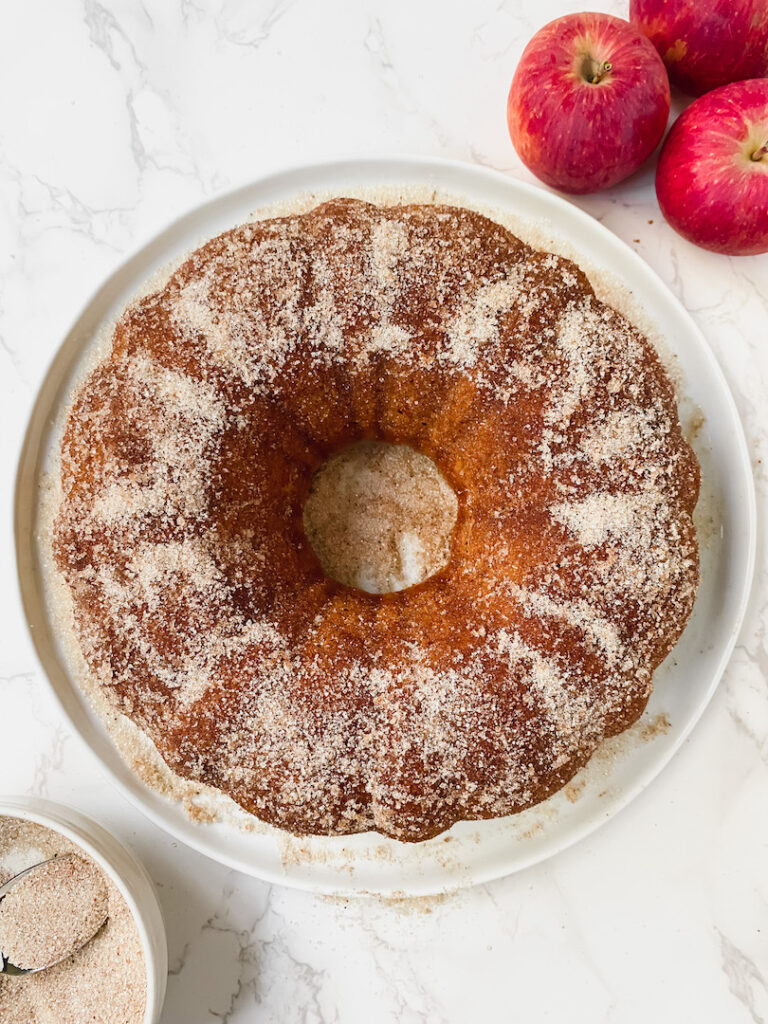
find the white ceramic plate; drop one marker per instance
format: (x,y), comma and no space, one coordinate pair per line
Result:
(470,852)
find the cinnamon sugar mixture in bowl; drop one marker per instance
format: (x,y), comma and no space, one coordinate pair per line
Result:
(105,981)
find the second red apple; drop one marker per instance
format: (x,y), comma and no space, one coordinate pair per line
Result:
(706,43)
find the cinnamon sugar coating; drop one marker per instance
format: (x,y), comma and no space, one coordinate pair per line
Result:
(201,607)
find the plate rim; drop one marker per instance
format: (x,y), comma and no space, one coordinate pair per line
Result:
(140,796)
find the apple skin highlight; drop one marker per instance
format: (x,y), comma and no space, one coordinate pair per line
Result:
(589,102)
(712,175)
(706,43)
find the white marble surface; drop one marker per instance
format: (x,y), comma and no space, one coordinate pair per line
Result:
(115,116)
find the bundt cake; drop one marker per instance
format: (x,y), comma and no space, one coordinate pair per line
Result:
(201,607)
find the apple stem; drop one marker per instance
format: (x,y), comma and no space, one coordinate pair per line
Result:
(760,153)
(595,71)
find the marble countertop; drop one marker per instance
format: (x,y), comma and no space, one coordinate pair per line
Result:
(118,115)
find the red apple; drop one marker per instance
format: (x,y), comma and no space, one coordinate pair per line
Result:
(706,43)
(589,102)
(712,176)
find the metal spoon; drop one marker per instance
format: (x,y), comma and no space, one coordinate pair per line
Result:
(6,967)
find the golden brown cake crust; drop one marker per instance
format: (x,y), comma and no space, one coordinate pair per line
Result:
(202,609)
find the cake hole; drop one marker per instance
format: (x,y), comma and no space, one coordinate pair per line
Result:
(380,517)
